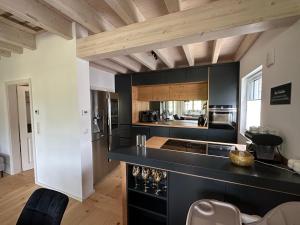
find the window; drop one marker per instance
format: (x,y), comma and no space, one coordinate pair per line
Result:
(251,100)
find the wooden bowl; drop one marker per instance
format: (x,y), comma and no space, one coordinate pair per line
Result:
(241,158)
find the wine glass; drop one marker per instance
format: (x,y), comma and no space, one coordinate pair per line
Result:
(165,174)
(157,178)
(135,173)
(153,171)
(145,175)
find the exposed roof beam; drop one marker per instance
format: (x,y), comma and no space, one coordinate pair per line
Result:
(219,19)
(188,51)
(246,44)
(112,65)
(9,47)
(146,60)
(184,5)
(128,62)
(175,6)
(17,25)
(216,50)
(84,14)
(5,53)
(40,15)
(79,11)
(103,68)
(130,13)
(17,37)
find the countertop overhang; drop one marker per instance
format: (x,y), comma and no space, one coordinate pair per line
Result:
(219,168)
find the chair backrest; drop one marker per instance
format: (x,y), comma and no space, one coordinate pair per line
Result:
(284,214)
(45,207)
(212,212)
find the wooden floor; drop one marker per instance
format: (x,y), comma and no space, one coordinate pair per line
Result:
(104,207)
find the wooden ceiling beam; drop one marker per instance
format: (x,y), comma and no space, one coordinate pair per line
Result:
(40,15)
(112,65)
(130,13)
(145,59)
(82,13)
(14,36)
(175,6)
(10,47)
(79,11)
(212,21)
(5,53)
(128,62)
(17,25)
(188,51)
(245,45)
(103,68)
(216,50)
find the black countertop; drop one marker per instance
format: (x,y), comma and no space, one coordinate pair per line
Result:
(259,175)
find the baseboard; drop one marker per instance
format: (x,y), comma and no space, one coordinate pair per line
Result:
(88,194)
(80,199)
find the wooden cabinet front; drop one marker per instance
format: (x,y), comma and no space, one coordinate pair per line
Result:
(172,92)
(160,93)
(177,92)
(145,93)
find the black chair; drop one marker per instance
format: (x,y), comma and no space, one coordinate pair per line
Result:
(44,207)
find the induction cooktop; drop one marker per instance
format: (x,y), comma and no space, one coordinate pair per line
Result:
(198,147)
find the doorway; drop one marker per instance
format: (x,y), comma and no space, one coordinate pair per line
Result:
(20,122)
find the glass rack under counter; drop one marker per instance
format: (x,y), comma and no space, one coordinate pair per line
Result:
(147,191)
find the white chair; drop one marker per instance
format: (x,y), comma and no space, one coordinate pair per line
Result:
(212,212)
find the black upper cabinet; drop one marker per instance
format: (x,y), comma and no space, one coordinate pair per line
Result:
(148,78)
(123,88)
(189,74)
(196,73)
(223,84)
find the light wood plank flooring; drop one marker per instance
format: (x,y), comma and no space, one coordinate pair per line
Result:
(104,207)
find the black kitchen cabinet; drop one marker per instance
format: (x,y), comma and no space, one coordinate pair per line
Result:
(148,78)
(174,76)
(185,190)
(186,133)
(123,88)
(256,201)
(142,130)
(182,75)
(222,135)
(223,84)
(160,131)
(196,73)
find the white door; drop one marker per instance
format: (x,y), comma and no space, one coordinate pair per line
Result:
(25,127)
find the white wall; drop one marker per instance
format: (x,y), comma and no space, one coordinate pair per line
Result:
(57,84)
(101,80)
(283,118)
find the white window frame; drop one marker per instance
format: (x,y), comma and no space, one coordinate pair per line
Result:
(244,98)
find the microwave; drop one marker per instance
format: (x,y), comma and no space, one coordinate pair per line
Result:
(222,117)
(149,116)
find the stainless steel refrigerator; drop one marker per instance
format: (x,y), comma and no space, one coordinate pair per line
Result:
(105,131)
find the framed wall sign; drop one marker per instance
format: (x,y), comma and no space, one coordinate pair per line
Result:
(281,95)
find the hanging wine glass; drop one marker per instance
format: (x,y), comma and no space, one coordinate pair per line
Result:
(157,179)
(135,173)
(153,171)
(145,175)
(165,174)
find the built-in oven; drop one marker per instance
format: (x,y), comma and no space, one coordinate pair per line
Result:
(222,117)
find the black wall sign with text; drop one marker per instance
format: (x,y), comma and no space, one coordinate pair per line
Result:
(281,95)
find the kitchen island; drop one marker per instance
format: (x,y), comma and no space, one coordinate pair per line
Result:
(191,177)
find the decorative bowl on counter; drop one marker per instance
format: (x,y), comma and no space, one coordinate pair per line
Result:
(241,158)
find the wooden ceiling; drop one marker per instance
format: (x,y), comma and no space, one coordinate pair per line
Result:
(22,20)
